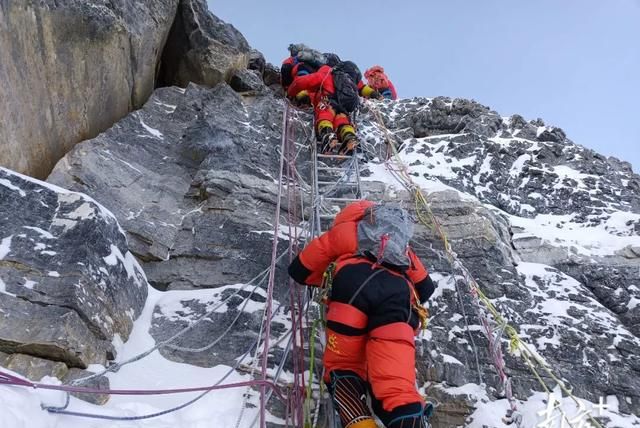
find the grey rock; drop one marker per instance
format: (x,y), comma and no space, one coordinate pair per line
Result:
(555,135)
(246,80)
(32,367)
(201,48)
(100,382)
(196,193)
(257,61)
(66,272)
(447,116)
(35,369)
(70,69)
(50,332)
(271,77)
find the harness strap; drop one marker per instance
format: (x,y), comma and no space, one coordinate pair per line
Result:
(363,285)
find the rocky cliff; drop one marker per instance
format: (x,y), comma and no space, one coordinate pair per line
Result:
(70,69)
(550,229)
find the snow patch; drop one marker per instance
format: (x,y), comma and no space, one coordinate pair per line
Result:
(154,132)
(129,262)
(611,235)
(5,246)
(7,183)
(43,233)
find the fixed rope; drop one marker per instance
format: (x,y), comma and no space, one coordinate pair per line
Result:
(484,306)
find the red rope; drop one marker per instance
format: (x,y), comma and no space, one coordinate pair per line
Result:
(8,379)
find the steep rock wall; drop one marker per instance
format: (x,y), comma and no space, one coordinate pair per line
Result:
(70,69)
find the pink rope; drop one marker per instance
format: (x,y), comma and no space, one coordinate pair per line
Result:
(8,379)
(272,273)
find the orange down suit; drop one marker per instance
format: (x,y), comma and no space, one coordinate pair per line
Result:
(370,328)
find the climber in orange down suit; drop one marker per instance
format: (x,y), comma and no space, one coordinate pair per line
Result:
(371,322)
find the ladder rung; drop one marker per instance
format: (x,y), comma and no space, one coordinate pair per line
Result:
(344,183)
(341,199)
(334,156)
(331,168)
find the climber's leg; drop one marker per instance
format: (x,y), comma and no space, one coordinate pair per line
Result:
(345,365)
(391,371)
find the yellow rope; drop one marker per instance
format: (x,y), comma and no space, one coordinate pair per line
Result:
(430,221)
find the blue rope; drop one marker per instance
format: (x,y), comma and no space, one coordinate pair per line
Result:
(62,411)
(129,418)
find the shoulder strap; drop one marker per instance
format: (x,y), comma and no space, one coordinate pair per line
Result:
(377,271)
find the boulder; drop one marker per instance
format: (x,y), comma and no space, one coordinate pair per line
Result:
(202,48)
(68,283)
(70,69)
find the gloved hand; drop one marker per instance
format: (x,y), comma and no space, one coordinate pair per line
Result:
(376,95)
(302,98)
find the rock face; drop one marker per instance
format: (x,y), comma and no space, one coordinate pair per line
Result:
(202,48)
(192,179)
(71,69)
(68,283)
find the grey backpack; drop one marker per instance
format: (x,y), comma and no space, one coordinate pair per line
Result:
(307,55)
(384,233)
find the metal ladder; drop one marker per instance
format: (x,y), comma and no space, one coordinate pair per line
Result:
(336,183)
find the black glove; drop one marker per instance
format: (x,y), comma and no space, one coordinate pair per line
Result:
(376,95)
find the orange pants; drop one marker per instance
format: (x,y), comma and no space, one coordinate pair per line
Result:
(326,116)
(384,356)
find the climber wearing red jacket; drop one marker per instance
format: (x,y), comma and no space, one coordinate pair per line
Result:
(334,94)
(371,319)
(378,80)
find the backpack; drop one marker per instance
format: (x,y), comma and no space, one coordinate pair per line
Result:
(311,57)
(376,78)
(332,59)
(384,234)
(345,77)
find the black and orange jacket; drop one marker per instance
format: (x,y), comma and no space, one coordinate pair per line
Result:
(340,245)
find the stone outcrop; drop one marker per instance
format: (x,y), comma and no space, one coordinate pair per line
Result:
(68,283)
(202,48)
(191,179)
(70,69)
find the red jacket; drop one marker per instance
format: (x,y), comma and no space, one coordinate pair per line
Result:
(340,244)
(318,84)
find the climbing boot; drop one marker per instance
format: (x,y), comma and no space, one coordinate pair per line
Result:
(349,144)
(349,394)
(412,415)
(328,141)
